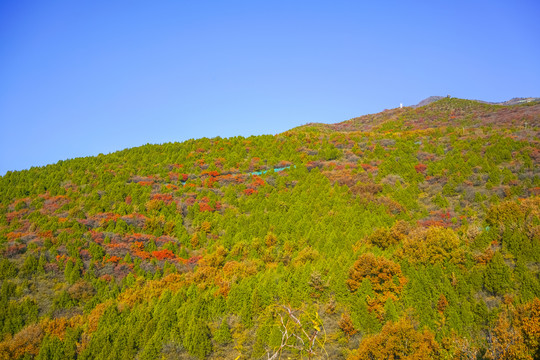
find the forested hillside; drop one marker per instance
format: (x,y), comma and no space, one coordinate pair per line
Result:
(412,233)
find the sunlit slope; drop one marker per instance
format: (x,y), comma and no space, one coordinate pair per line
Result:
(413,233)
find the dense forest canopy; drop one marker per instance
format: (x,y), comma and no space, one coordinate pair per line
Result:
(412,234)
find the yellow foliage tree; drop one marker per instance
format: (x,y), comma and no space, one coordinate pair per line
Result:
(433,245)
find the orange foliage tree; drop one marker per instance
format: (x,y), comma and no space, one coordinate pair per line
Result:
(516,335)
(346,325)
(25,342)
(385,277)
(506,342)
(398,341)
(163,254)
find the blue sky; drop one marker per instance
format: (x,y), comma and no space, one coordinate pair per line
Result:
(79,78)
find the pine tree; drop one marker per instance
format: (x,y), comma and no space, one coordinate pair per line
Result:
(497,275)
(390,311)
(197,339)
(30,265)
(223,334)
(51,349)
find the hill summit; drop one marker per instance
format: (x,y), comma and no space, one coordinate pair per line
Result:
(411,233)
(439,112)
(513,101)
(428,100)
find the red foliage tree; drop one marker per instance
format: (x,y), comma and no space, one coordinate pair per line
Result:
(205,207)
(420,168)
(250,191)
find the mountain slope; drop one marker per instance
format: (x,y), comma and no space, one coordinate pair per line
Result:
(412,232)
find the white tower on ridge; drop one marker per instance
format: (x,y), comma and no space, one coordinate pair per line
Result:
(401,105)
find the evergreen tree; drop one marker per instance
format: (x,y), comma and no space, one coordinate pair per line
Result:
(497,275)
(197,338)
(223,333)
(390,311)
(51,348)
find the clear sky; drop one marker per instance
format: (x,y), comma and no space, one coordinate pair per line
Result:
(79,78)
